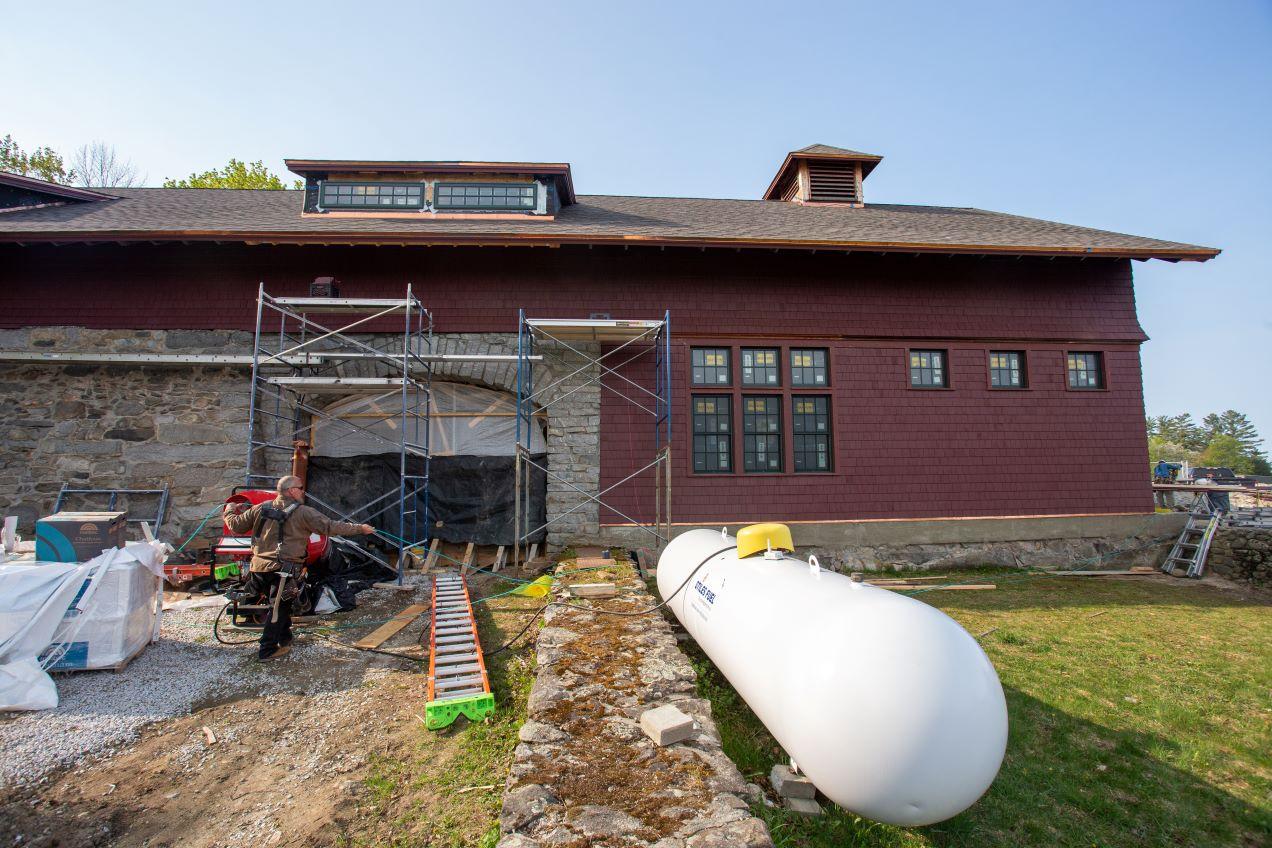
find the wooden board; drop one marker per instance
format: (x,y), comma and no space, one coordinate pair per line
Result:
(501,559)
(430,561)
(470,557)
(382,633)
(593,562)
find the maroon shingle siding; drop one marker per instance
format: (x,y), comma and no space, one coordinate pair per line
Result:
(898,452)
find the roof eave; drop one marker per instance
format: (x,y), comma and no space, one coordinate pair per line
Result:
(1190,254)
(56,189)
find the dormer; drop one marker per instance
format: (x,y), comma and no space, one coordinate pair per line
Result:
(19,192)
(499,190)
(820,173)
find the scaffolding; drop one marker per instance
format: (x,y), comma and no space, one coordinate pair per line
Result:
(297,365)
(630,339)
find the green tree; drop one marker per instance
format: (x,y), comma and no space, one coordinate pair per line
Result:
(43,163)
(1179,430)
(234,175)
(1159,447)
(1235,424)
(1225,450)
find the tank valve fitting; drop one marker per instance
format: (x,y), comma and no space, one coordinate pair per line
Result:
(857,577)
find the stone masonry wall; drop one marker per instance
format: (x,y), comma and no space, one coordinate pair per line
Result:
(1242,553)
(92,426)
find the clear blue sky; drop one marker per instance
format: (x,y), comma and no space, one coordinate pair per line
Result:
(1152,118)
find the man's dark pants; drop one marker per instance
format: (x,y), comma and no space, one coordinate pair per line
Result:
(276,632)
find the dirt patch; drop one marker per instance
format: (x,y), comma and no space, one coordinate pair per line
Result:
(301,751)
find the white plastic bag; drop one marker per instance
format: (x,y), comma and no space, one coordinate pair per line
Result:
(327,601)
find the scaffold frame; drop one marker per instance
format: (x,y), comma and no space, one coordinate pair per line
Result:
(636,339)
(303,359)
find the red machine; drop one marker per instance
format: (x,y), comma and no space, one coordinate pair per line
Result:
(227,559)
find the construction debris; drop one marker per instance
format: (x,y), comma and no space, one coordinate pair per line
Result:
(788,784)
(385,631)
(593,590)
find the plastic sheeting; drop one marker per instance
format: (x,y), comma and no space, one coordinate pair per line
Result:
(466,421)
(62,615)
(470,497)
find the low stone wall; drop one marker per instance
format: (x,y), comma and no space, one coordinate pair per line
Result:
(586,775)
(1087,541)
(1243,554)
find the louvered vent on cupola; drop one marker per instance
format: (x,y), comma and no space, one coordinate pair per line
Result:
(822,174)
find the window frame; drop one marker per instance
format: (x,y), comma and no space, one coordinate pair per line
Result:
(777,367)
(945,368)
(829,434)
(378,207)
(790,366)
(728,366)
(781,443)
(1023,368)
(440,207)
(727,406)
(1101,371)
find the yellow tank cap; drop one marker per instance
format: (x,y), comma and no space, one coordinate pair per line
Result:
(758,538)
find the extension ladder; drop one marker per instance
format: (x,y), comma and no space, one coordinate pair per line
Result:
(1189,552)
(457,679)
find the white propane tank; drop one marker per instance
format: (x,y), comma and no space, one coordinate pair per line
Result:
(886,704)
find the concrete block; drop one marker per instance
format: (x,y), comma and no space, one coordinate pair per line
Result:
(788,784)
(666,725)
(803,806)
(593,590)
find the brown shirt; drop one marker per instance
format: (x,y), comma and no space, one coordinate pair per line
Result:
(303,521)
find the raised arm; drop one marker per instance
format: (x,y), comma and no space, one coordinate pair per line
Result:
(240,520)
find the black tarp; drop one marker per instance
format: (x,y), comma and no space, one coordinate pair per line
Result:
(470,497)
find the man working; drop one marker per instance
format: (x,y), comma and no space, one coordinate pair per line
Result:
(280,535)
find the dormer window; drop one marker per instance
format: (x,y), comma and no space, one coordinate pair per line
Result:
(341,195)
(486,196)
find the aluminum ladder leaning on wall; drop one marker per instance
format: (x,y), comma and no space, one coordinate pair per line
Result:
(1189,553)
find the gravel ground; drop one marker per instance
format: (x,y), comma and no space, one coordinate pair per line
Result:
(100,710)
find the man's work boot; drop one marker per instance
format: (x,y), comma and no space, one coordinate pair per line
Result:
(280,651)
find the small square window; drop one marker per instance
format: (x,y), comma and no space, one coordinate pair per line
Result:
(710,366)
(1007,369)
(928,369)
(1086,370)
(759,366)
(808,367)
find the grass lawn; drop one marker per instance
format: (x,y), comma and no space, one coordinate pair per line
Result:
(1140,712)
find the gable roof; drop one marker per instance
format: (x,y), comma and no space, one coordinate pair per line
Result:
(827,150)
(54,190)
(274,217)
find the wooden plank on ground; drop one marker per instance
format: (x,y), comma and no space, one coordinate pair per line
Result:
(382,633)
(404,587)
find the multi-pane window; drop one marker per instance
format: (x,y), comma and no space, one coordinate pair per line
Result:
(712,433)
(517,196)
(371,195)
(761,433)
(1086,370)
(810,432)
(759,366)
(927,369)
(710,366)
(808,367)
(1007,369)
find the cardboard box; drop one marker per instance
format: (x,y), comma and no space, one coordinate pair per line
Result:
(78,536)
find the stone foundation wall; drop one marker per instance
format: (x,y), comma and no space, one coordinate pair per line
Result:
(1093,541)
(1243,554)
(91,426)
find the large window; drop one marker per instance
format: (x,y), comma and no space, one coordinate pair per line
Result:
(927,369)
(712,434)
(761,433)
(710,366)
(1086,370)
(759,366)
(515,196)
(371,195)
(808,367)
(1007,369)
(810,432)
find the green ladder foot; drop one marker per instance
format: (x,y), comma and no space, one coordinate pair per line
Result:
(439,714)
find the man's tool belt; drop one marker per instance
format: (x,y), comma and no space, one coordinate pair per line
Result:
(294,572)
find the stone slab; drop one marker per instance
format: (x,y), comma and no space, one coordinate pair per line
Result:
(803,806)
(666,725)
(788,784)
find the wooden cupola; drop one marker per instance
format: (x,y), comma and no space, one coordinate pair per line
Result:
(820,173)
